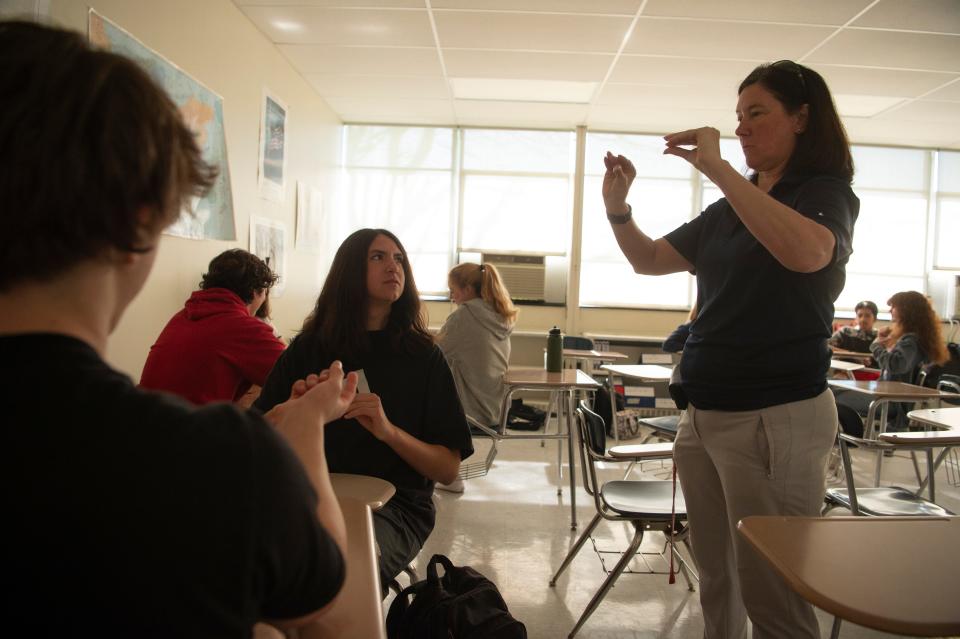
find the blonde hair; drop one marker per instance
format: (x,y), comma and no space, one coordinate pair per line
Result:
(484,280)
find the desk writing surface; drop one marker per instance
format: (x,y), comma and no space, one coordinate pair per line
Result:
(841,365)
(645,372)
(358,610)
(370,490)
(839,352)
(539,378)
(898,390)
(948,418)
(608,356)
(895,574)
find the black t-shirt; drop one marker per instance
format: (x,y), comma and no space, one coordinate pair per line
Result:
(760,337)
(131,513)
(418,394)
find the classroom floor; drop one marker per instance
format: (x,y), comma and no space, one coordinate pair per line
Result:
(512,527)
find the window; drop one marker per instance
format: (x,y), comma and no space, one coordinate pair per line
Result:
(947,251)
(516,191)
(401,179)
(889,239)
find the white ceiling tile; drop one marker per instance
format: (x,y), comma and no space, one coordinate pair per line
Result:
(926,111)
(318,58)
(863,106)
(510,90)
(659,121)
(890,82)
(613,7)
(939,16)
(833,12)
(948,92)
(378,86)
(891,49)
(648,95)
(395,111)
(582,67)
(530,32)
(902,132)
(318,25)
(717,75)
(532,114)
(413,4)
(730,40)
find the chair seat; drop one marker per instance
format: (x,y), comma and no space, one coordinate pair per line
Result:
(643,499)
(666,424)
(888,502)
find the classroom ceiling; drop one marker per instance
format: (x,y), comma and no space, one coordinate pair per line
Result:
(621,65)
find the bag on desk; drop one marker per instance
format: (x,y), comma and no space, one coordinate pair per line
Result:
(462,604)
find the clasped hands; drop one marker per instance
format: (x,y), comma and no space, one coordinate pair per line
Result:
(330,395)
(700,147)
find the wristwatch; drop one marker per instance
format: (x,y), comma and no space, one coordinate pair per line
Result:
(621,219)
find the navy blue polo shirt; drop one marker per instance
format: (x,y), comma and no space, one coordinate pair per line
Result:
(760,338)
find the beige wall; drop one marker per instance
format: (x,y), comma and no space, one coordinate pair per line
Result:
(216,44)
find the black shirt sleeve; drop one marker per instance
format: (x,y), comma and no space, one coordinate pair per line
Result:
(299,567)
(830,202)
(686,238)
(444,422)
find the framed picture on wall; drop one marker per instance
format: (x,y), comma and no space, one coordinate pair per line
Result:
(309,217)
(273,131)
(268,241)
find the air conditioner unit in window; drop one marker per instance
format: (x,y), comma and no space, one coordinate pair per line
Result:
(523,275)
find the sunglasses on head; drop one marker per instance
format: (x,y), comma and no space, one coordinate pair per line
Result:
(792,67)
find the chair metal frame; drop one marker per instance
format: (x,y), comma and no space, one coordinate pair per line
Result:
(638,490)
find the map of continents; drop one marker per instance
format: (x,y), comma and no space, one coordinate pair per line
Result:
(202,110)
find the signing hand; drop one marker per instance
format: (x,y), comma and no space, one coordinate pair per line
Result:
(330,393)
(367,409)
(616,182)
(705,154)
(885,337)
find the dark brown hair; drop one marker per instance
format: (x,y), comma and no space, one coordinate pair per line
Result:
(822,147)
(916,316)
(239,271)
(95,155)
(340,317)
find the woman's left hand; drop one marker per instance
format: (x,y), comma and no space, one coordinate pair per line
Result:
(367,409)
(705,154)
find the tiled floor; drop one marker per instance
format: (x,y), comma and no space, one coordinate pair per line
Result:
(513,527)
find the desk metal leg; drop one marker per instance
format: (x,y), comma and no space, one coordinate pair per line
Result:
(571,435)
(835,630)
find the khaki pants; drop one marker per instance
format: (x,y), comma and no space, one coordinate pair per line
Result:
(734,464)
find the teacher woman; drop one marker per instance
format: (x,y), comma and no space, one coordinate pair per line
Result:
(770,259)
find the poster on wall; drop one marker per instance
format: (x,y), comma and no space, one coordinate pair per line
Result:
(210,217)
(268,241)
(273,126)
(309,218)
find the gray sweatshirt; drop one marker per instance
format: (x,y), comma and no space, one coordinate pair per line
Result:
(476,342)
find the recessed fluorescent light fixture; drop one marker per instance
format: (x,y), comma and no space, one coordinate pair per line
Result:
(522,90)
(287,25)
(864,106)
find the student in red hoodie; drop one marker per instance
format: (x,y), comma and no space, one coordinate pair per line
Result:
(216,348)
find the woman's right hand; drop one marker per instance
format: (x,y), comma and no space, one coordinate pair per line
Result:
(616,182)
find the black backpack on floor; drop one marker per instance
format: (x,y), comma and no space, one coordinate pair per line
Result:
(462,604)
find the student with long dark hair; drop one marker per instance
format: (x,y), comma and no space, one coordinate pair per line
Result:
(407,426)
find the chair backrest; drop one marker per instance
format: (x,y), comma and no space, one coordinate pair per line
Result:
(577,343)
(594,430)
(850,421)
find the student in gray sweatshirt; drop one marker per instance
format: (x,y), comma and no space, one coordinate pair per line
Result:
(476,338)
(476,341)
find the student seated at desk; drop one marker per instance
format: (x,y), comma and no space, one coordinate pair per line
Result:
(130,513)
(476,342)
(408,426)
(912,340)
(860,336)
(217,347)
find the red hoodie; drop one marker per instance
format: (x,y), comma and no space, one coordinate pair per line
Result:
(212,350)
